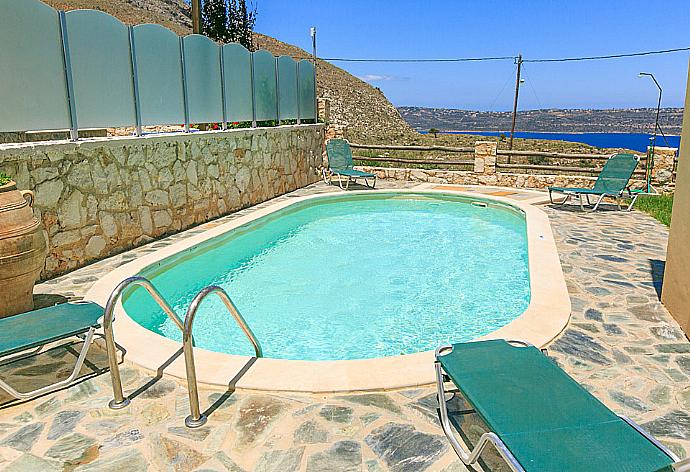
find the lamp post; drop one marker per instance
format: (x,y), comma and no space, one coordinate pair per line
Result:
(650,153)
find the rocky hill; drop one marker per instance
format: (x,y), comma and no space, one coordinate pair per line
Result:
(173,14)
(363,109)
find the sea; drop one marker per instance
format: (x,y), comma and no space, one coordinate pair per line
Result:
(634,141)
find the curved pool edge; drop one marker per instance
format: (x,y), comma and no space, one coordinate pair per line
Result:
(543,320)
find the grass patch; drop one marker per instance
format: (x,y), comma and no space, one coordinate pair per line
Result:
(658,206)
(4,178)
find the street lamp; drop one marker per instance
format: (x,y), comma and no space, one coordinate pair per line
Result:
(650,154)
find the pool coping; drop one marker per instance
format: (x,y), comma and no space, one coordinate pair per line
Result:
(546,316)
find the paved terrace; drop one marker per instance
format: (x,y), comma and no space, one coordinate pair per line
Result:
(621,344)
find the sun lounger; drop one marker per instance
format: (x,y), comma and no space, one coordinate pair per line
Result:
(612,182)
(34,329)
(539,418)
(340,164)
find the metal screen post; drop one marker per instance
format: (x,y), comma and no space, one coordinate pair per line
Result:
(224,125)
(185,95)
(277,91)
(135,81)
(313,55)
(251,76)
(299,102)
(74,127)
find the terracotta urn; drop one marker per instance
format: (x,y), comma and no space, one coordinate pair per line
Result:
(23,249)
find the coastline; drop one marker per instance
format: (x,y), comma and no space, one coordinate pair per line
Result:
(539,132)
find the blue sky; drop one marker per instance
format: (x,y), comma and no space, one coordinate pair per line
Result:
(536,28)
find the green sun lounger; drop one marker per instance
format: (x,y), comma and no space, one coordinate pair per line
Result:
(340,164)
(34,329)
(539,418)
(612,182)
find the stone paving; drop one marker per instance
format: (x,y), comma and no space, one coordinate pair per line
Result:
(621,344)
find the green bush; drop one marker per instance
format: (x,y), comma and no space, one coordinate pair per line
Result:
(4,178)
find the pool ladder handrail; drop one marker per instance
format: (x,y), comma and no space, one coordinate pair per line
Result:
(195,418)
(119,401)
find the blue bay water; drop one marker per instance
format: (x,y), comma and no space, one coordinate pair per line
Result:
(353,278)
(635,141)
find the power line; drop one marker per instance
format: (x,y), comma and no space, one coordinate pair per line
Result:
(504,58)
(529,83)
(459,59)
(611,56)
(505,84)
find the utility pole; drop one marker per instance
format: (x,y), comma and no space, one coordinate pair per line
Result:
(196,16)
(515,103)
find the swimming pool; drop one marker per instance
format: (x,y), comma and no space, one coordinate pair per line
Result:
(352,277)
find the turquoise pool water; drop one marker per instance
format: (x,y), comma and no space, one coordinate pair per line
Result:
(352,277)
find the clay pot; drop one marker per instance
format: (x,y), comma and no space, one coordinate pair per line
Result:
(23,249)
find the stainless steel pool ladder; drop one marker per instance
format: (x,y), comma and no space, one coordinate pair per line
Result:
(195,418)
(119,400)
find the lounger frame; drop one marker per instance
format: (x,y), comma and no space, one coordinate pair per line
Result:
(569,195)
(329,173)
(87,338)
(626,192)
(472,457)
(347,165)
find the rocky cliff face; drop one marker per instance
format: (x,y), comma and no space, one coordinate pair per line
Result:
(363,109)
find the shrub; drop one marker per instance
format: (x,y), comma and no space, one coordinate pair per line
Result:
(4,178)
(658,206)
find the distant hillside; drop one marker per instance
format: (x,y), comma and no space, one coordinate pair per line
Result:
(362,108)
(634,120)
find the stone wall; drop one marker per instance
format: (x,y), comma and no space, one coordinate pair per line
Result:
(100,196)
(460,177)
(27,136)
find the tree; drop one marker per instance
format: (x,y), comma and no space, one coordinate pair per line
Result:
(228,21)
(434,131)
(214,20)
(241,20)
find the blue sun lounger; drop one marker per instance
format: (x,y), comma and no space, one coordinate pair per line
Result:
(539,418)
(340,164)
(34,329)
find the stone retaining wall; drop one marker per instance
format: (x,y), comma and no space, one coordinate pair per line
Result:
(460,177)
(485,172)
(98,197)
